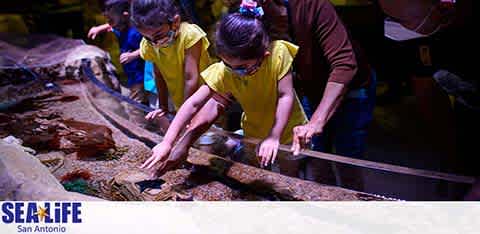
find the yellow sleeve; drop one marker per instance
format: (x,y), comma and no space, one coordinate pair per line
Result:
(213,77)
(193,34)
(146,51)
(284,53)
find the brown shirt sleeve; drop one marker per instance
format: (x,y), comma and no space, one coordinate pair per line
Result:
(334,41)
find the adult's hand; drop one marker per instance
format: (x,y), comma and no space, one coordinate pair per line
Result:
(302,136)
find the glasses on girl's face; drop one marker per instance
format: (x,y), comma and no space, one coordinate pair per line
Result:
(247,69)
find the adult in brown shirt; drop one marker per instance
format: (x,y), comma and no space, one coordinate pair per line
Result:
(332,77)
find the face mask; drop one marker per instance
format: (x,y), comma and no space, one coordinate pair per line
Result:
(240,72)
(170,39)
(246,71)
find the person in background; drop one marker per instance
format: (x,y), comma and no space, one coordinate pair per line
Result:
(177,49)
(117,14)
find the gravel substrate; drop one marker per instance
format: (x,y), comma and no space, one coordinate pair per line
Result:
(103,170)
(81,110)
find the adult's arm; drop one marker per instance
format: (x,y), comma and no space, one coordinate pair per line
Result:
(333,38)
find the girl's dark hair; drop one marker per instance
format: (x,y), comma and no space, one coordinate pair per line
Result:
(116,6)
(152,13)
(242,37)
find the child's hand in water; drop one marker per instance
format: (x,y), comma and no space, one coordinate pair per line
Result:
(268,151)
(160,154)
(155,114)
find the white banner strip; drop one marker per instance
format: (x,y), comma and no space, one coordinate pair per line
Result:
(241,217)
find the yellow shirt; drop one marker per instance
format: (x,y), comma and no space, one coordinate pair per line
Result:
(257,94)
(170,60)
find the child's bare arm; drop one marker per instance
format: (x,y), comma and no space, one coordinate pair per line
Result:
(94,31)
(186,112)
(286,96)
(184,115)
(192,73)
(202,121)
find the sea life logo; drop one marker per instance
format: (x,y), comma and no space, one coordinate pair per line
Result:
(41,217)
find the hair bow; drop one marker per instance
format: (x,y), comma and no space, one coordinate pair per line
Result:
(250,8)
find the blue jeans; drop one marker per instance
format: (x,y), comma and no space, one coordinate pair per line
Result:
(346,132)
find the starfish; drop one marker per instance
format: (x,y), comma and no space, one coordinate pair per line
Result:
(41,213)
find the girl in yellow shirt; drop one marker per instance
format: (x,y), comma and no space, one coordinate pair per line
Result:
(178,50)
(257,73)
